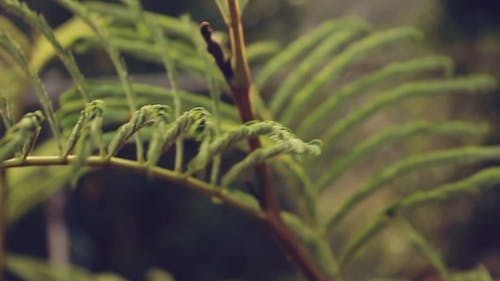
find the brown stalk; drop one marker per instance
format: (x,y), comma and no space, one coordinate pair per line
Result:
(237,76)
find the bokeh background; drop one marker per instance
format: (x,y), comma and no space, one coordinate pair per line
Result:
(124,223)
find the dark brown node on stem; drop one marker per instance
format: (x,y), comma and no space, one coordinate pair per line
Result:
(215,50)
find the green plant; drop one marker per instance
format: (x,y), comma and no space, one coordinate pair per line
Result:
(164,118)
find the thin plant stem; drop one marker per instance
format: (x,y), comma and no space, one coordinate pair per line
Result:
(240,85)
(135,166)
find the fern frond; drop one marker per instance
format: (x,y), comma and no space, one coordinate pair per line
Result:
(350,90)
(333,69)
(471,83)
(456,156)
(21,136)
(111,91)
(196,117)
(168,63)
(90,122)
(390,135)
(119,13)
(38,22)
(329,45)
(228,139)
(116,59)
(298,47)
(291,146)
(145,116)
(486,178)
(15,51)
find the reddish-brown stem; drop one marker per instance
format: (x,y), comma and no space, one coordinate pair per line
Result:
(240,88)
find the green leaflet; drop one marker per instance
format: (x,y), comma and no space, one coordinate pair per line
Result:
(115,56)
(318,55)
(86,134)
(183,54)
(38,22)
(163,44)
(471,83)
(299,47)
(292,146)
(486,178)
(230,138)
(71,104)
(391,135)
(15,51)
(66,34)
(356,87)
(332,70)
(145,116)
(119,13)
(196,117)
(456,156)
(21,136)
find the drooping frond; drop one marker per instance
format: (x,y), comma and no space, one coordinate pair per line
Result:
(332,43)
(38,22)
(391,135)
(115,56)
(484,179)
(299,47)
(15,51)
(358,86)
(332,70)
(456,156)
(471,83)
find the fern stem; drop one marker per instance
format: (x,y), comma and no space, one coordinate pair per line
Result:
(240,89)
(229,198)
